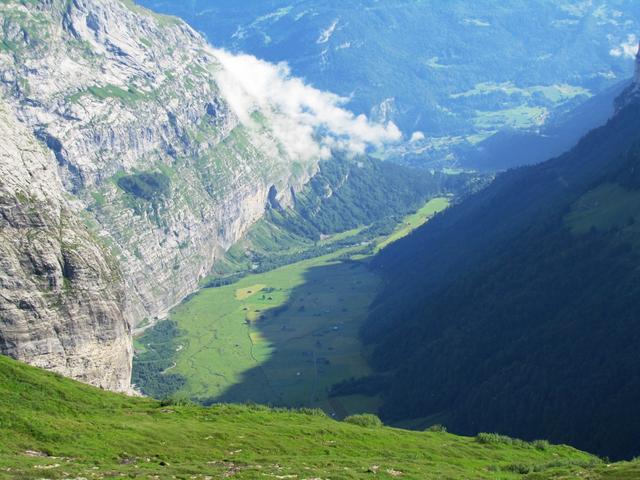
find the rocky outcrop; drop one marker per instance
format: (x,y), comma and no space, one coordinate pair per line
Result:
(632,92)
(61,295)
(116,92)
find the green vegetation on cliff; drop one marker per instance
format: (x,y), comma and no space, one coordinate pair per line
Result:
(347,203)
(52,427)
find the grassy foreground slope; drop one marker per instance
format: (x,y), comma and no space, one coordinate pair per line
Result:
(52,427)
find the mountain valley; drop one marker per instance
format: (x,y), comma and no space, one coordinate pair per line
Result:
(343,240)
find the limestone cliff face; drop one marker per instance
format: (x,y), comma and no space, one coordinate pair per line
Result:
(61,296)
(632,92)
(113,91)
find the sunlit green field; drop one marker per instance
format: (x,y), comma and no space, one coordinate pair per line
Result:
(411,222)
(284,337)
(607,206)
(55,428)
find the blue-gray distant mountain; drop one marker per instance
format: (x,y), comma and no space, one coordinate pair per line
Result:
(457,71)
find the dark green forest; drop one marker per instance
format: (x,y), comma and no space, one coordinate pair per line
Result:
(150,186)
(518,310)
(154,359)
(346,193)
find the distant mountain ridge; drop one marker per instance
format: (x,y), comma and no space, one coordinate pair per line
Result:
(455,71)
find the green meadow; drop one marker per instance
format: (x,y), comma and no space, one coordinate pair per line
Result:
(284,337)
(607,206)
(54,428)
(415,220)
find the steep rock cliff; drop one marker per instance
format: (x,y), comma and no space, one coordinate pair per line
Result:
(61,296)
(632,92)
(145,145)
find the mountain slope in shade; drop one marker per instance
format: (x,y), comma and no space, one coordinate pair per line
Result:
(517,310)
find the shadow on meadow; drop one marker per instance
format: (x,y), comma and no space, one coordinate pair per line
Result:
(310,342)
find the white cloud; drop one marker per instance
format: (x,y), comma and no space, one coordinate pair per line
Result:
(475,22)
(326,35)
(308,122)
(626,49)
(417,137)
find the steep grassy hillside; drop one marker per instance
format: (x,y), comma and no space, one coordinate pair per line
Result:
(52,427)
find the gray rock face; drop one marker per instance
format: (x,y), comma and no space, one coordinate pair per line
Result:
(113,91)
(632,92)
(61,296)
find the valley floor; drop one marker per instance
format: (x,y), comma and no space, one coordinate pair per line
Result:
(283,337)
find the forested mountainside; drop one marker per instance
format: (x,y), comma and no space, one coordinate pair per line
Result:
(154,158)
(517,310)
(346,195)
(457,71)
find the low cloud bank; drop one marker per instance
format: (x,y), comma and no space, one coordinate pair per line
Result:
(308,122)
(626,49)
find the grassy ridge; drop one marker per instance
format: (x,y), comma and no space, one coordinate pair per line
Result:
(51,427)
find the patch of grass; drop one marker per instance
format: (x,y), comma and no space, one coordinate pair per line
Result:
(411,222)
(162,20)
(518,117)
(558,93)
(52,427)
(129,96)
(608,206)
(99,199)
(367,420)
(244,293)
(146,42)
